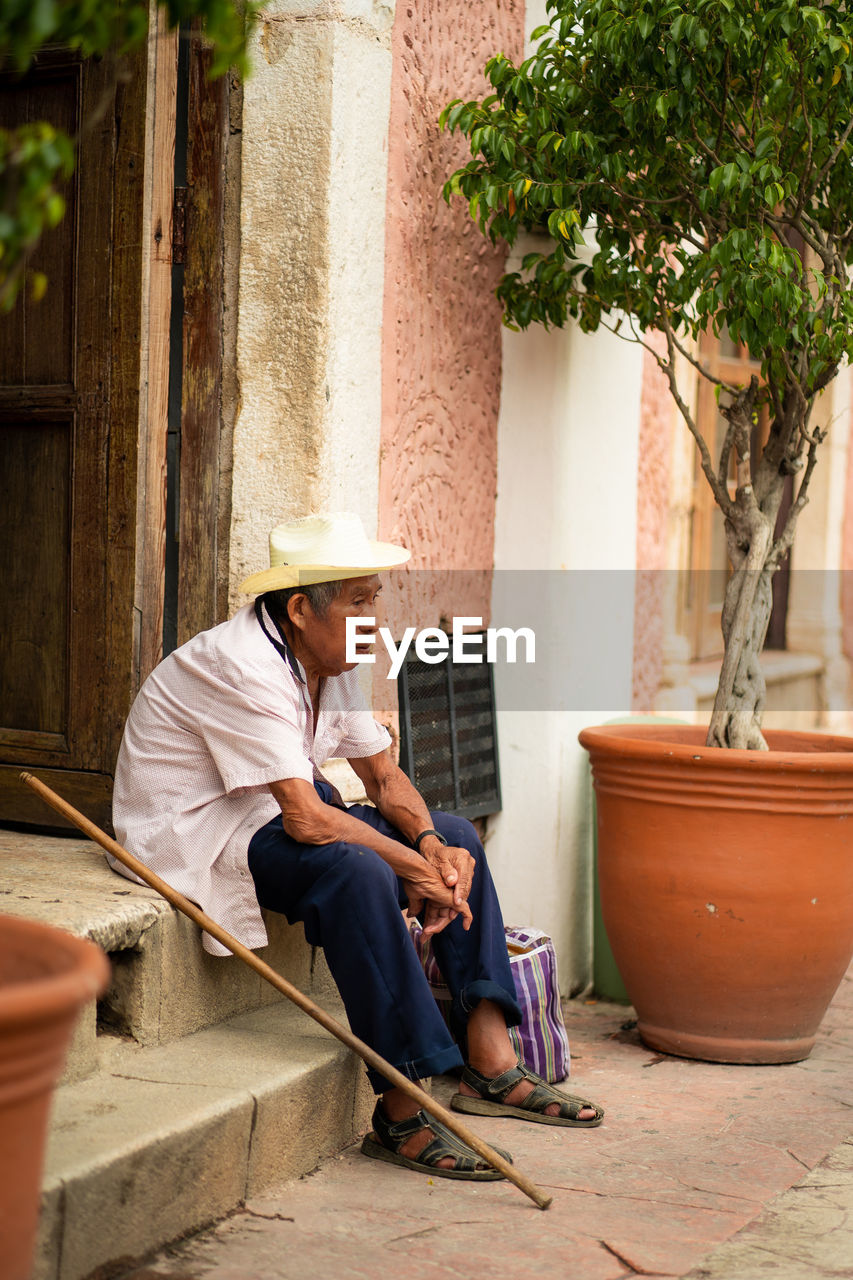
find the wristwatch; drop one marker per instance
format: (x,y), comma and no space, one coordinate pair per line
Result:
(430,832)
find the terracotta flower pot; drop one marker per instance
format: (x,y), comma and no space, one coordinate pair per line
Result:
(46,976)
(726,885)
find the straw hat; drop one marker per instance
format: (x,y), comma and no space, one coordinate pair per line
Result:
(322,548)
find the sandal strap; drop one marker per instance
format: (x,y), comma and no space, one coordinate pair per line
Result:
(496,1088)
(394,1134)
(542,1094)
(444,1143)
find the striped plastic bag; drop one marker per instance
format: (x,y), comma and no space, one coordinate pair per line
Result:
(540,1040)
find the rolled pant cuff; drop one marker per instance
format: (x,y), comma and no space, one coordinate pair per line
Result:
(483,989)
(434,1064)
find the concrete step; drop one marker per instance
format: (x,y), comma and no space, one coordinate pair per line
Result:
(164,985)
(162,1140)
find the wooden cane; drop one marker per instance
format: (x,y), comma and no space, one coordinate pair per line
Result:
(281,984)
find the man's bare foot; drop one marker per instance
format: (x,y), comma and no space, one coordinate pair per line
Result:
(519,1093)
(491,1052)
(397,1105)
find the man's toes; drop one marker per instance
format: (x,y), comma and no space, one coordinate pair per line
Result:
(416,1144)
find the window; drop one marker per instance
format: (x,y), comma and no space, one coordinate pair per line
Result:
(448,739)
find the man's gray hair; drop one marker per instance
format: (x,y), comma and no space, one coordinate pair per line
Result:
(320,596)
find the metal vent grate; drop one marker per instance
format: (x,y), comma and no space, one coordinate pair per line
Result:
(448,738)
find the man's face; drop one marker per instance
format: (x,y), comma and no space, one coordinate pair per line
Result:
(324,639)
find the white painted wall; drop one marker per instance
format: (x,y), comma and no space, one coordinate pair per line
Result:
(567,472)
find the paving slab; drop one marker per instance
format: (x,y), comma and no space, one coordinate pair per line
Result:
(693,1160)
(806,1232)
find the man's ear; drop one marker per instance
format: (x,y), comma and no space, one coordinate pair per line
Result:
(297,610)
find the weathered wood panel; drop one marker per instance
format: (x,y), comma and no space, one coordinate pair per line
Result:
(37,338)
(70,373)
(202,358)
(125,347)
(151,509)
(91,793)
(35,505)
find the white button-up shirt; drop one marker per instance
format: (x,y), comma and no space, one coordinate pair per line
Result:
(213,725)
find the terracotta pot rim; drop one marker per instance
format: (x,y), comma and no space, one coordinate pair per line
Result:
(45,995)
(789,749)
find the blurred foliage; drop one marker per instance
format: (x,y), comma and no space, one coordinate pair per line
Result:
(681,156)
(36,159)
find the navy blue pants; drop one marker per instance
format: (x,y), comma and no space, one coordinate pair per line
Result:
(349,901)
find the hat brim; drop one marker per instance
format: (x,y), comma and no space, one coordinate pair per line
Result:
(384,556)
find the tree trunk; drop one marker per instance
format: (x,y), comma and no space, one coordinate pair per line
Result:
(736,720)
(738,706)
(748,603)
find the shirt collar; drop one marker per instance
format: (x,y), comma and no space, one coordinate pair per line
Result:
(278,640)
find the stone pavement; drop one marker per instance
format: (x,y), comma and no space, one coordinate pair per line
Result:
(700,1170)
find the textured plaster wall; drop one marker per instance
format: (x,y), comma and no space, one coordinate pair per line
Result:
(441,353)
(308,349)
(653,494)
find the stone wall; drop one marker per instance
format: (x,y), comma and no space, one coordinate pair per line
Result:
(312,217)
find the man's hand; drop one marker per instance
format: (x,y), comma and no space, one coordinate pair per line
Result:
(427,894)
(452,868)
(437,918)
(454,865)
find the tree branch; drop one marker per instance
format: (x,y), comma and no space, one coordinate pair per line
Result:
(821,174)
(810,152)
(721,495)
(785,540)
(700,368)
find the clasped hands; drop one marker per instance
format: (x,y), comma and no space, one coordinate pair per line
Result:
(440,891)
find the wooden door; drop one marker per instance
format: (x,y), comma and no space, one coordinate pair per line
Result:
(69,414)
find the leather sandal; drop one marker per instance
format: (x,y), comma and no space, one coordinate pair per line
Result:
(492,1093)
(386,1139)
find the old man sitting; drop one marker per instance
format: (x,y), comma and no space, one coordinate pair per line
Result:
(218,790)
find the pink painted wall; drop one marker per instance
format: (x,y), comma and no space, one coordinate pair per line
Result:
(441,355)
(847,559)
(653,489)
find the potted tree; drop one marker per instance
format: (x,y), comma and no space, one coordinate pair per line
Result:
(692,165)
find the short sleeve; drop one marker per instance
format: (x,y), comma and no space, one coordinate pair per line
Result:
(365,737)
(358,734)
(252,726)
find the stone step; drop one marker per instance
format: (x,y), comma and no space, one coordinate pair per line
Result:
(160,1141)
(163,985)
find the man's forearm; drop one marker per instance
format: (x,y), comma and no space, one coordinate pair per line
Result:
(325,824)
(306,819)
(401,804)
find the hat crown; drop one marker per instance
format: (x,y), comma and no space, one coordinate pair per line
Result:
(322,548)
(333,538)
